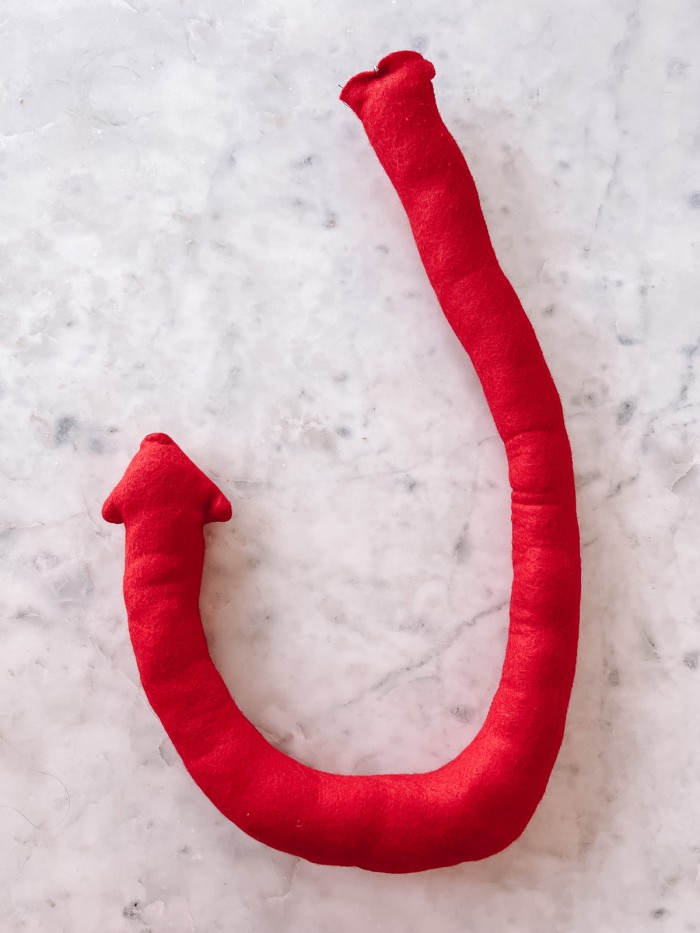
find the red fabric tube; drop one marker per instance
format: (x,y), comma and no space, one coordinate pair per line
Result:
(481,801)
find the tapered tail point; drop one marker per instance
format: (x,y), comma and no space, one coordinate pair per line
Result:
(159,476)
(157,438)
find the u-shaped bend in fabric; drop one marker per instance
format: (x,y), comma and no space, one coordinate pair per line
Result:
(481,801)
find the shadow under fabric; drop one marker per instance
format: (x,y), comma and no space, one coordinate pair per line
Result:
(481,801)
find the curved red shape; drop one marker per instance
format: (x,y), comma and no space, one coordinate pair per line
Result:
(481,801)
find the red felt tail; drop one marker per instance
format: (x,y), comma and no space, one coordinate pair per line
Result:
(482,800)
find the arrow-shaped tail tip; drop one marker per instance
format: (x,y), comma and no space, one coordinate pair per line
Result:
(162,477)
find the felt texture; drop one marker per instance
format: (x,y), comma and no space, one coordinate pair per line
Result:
(478,803)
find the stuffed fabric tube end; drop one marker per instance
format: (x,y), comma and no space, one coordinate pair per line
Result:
(399,70)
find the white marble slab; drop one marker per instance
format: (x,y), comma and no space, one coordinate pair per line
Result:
(196,238)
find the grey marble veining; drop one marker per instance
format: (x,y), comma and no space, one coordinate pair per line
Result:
(196,238)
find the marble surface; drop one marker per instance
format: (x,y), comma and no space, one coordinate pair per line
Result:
(197,239)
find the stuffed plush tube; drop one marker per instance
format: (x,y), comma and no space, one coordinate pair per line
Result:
(481,801)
